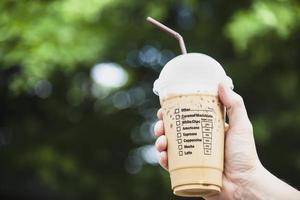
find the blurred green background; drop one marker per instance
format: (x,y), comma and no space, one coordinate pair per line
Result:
(76,102)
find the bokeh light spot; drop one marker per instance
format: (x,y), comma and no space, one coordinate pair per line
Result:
(43,89)
(109,75)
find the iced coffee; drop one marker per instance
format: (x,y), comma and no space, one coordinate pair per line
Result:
(193,119)
(194,126)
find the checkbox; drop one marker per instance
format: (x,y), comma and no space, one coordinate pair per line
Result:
(206,124)
(179,135)
(180,153)
(208,135)
(177,110)
(177,123)
(179,147)
(207,151)
(207,129)
(178,128)
(179,141)
(207,140)
(207,146)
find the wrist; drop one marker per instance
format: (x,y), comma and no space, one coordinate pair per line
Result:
(257,184)
(261,184)
(248,187)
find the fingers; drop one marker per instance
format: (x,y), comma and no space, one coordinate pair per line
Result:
(159,128)
(163,159)
(161,143)
(161,146)
(160,113)
(236,111)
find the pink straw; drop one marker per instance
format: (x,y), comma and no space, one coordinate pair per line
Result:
(170,31)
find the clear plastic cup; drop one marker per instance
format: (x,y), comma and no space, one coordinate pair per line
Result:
(194,122)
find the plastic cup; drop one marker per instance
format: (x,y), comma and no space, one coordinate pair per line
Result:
(194,123)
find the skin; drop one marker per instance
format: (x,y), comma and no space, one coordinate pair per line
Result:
(244,176)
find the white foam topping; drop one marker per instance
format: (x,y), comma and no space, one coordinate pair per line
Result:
(190,73)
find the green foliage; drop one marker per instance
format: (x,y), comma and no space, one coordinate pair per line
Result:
(43,36)
(263,17)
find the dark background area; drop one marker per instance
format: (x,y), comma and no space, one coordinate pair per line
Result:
(76,103)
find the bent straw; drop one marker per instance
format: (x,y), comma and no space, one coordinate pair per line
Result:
(170,31)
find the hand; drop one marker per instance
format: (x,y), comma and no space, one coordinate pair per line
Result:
(242,168)
(240,153)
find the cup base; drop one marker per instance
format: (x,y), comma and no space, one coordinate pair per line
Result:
(196,182)
(196,190)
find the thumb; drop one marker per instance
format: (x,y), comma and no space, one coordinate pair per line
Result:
(236,111)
